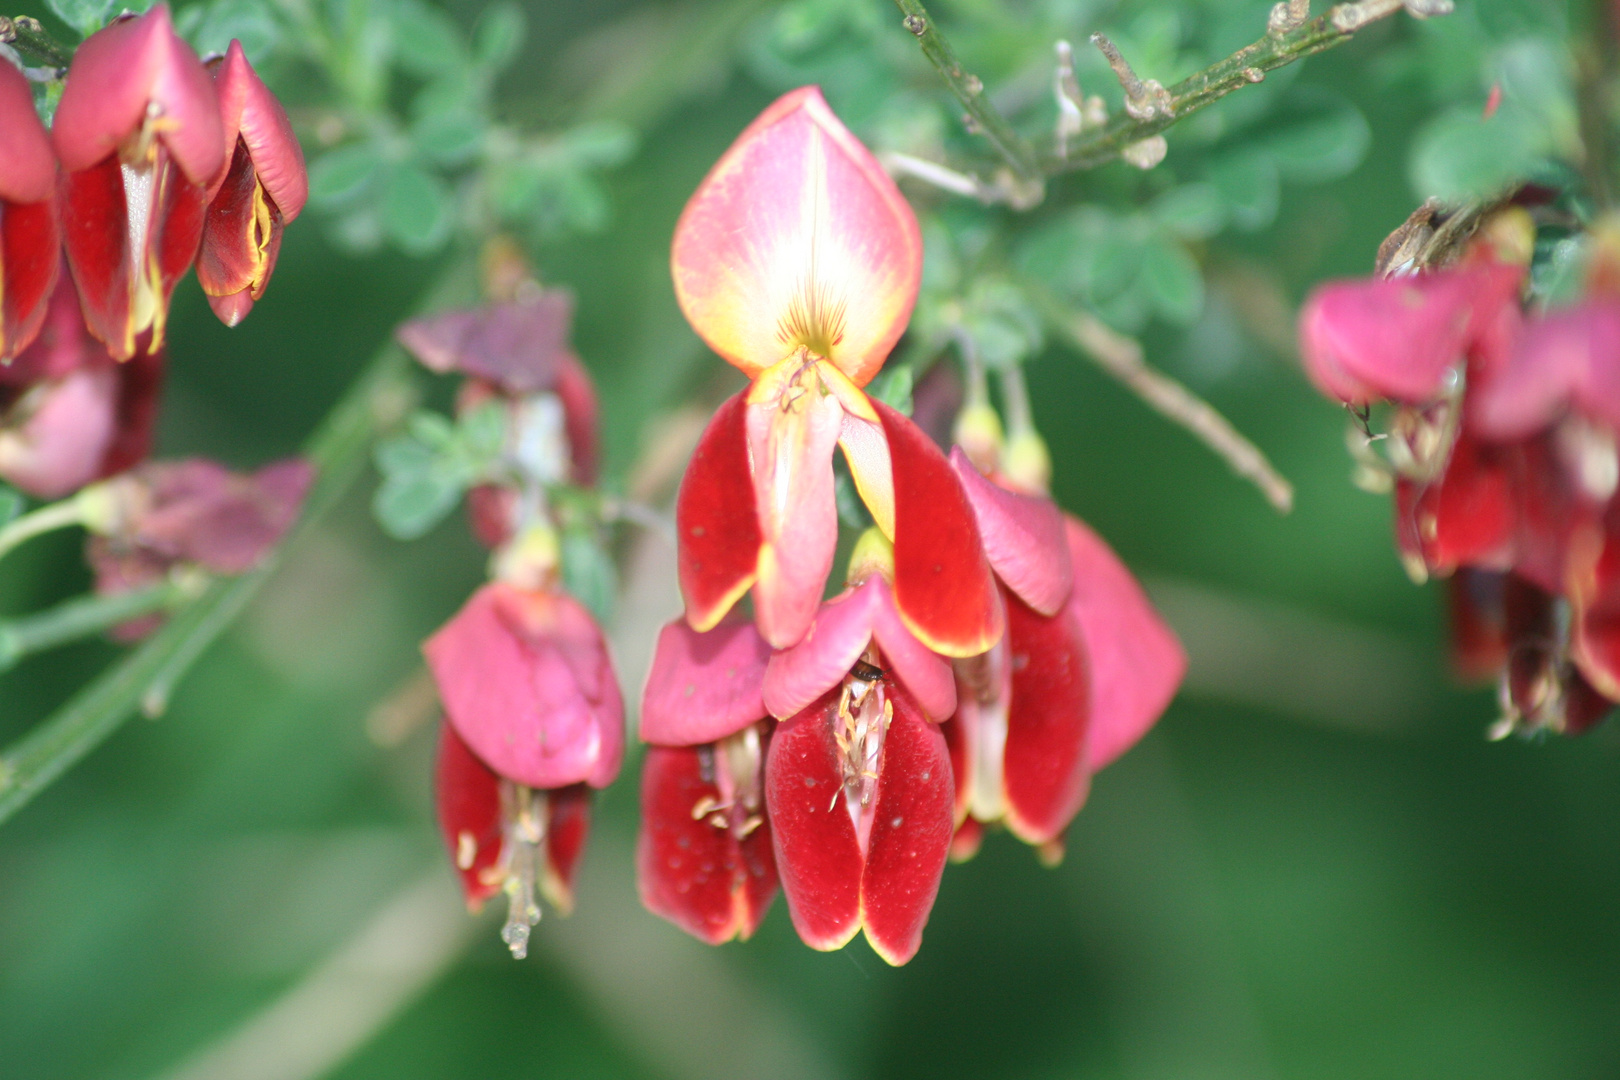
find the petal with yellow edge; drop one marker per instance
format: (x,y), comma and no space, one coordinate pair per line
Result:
(797,238)
(717,530)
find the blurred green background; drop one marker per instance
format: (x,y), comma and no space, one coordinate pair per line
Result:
(1314,867)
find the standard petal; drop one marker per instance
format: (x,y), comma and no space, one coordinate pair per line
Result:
(1396,338)
(716,527)
(1045,774)
(797,237)
(817,852)
(797,676)
(468,797)
(1023,538)
(1561,360)
(943,585)
(791,449)
(568,824)
(124,74)
(250,112)
(27,163)
(912,826)
(688,869)
(703,687)
(1136,661)
(513,697)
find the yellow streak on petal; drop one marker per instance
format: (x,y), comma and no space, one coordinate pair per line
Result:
(704,621)
(868,455)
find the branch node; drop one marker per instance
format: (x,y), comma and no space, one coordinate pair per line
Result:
(916,24)
(1288,15)
(1146,153)
(1253,74)
(1145,99)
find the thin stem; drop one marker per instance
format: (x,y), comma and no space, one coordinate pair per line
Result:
(86,616)
(969,90)
(1015,401)
(49,518)
(28,37)
(1121,357)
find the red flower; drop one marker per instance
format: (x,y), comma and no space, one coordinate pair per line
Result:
(262,189)
(69,413)
(138,134)
(703,857)
(798,261)
(29,233)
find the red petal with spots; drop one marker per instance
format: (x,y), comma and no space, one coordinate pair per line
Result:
(1464,516)
(568,823)
(95,235)
(716,526)
(942,583)
(1048,719)
(913,821)
(689,871)
(817,852)
(469,803)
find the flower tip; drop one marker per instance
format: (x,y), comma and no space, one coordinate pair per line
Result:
(232,309)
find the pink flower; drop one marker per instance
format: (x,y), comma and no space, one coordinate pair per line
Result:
(29,231)
(139,136)
(703,856)
(261,190)
(798,261)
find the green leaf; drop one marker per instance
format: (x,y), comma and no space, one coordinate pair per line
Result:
(599,144)
(587,572)
(448,138)
(499,35)
(1090,254)
(408,504)
(433,431)
(1318,136)
(11,503)
(1459,154)
(427,42)
(339,177)
(88,16)
(417,209)
(1173,279)
(893,387)
(481,436)
(851,510)
(1190,211)
(1249,185)
(211,28)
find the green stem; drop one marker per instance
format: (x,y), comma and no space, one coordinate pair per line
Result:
(85,616)
(969,90)
(145,677)
(57,515)
(28,37)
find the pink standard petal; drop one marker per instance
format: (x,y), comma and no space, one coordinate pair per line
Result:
(1023,538)
(1564,358)
(791,456)
(703,687)
(117,75)
(27,164)
(1136,661)
(513,696)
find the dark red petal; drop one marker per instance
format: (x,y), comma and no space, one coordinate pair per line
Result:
(1584,707)
(178,211)
(817,852)
(578,396)
(95,235)
(716,526)
(140,389)
(1478,632)
(568,822)
(1048,720)
(912,825)
(942,583)
(965,843)
(469,803)
(249,111)
(30,244)
(241,235)
(692,872)
(1464,516)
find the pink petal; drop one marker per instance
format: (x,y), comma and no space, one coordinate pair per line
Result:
(818,854)
(509,667)
(1023,538)
(27,164)
(250,111)
(791,456)
(798,237)
(57,448)
(698,876)
(568,824)
(912,826)
(1136,661)
(1044,769)
(703,687)
(468,798)
(1395,338)
(122,71)
(925,674)
(1563,359)
(716,527)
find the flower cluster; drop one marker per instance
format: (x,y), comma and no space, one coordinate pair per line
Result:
(987,654)
(1501,450)
(534,715)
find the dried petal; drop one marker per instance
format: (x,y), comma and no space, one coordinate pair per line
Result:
(520,346)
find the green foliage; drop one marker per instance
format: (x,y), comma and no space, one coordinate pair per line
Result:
(429,467)
(11,503)
(587,570)
(88,16)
